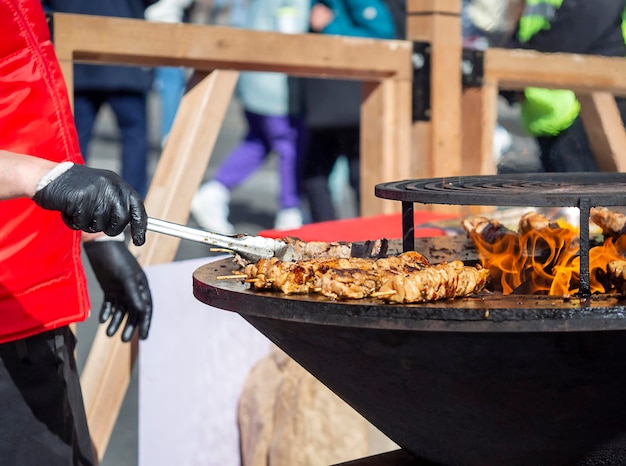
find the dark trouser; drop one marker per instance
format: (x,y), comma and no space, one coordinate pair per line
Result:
(130,109)
(324,147)
(569,151)
(42,417)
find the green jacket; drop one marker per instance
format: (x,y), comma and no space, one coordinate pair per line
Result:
(548,112)
(544,112)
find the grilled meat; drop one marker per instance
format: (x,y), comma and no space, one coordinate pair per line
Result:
(306,250)
(533,221)
(441,281)
(304,276)
(612,223)
(349,283)
(288,277)
(491,231)
(356,278)
(616,272)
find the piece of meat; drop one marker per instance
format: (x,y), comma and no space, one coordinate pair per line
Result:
(288,277)
(349,283)
(436,282)
(405,260)
(616,272)
(533,221)
(306,250)
(490,231)
(612,223)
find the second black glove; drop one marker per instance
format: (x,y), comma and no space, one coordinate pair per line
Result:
(125,287)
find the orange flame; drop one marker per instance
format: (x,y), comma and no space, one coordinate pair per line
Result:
(545,261)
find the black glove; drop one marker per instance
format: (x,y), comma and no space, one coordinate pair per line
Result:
(94,200)
(125,287)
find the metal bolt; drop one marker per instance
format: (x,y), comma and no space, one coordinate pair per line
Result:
(418,60)
(467,67)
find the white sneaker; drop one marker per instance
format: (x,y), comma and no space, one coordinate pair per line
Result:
(288,219)
(502,142)
(209,208)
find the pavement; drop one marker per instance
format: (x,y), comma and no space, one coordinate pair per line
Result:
(252,209)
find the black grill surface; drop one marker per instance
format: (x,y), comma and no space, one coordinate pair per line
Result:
(535,189)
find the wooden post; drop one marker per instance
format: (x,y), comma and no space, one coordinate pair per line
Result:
(179,172)
(605,129)
(385,141)
(437,143)
(479,108)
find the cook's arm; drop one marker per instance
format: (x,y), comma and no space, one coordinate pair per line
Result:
(89,199)
(20,174)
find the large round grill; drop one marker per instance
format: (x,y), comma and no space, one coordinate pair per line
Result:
(509,380)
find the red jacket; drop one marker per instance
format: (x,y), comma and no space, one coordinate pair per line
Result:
(42,282)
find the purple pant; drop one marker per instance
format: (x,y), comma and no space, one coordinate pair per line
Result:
(282,134)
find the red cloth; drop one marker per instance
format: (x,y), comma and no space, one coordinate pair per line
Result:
(42,282)
(364,228)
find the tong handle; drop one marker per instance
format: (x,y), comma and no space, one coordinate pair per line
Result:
(250,247)
(184,232)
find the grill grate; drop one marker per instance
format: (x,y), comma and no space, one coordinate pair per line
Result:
(582,190)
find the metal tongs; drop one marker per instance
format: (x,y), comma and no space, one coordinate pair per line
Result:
(250,248)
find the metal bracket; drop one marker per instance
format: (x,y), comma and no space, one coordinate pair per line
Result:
(472,67)
(420,60)
(472,72)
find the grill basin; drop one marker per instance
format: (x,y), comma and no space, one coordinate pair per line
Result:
(490,380)
(535,381)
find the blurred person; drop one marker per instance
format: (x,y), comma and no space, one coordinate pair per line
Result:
(123,88)
(219,12)
(552,115)
(236,11)
(47,196)
(483,22)
(169,81)
(271,128)
(332,107)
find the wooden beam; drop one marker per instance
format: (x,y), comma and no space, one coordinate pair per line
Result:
(138,42)
(385,141)
(518,69)
(605,130)
(179,172)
